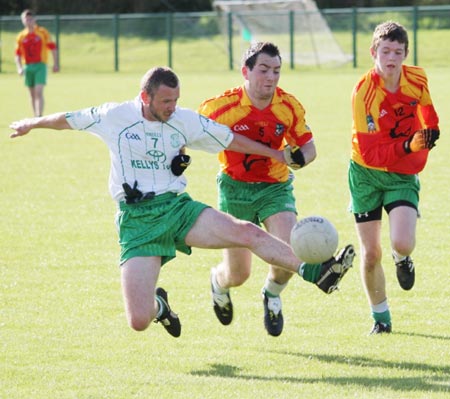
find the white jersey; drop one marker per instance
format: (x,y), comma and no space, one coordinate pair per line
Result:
(142,150)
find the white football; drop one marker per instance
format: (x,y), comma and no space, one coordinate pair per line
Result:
(314,239)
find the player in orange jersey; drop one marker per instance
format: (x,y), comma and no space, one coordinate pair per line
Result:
(394,127)
(259,189)
(32,46)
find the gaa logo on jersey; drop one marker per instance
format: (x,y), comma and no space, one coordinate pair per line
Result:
(132,136)
(240,128)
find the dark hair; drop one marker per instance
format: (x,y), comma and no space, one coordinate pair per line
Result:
(392,31)
(26,13)
(156,77)
(250,56)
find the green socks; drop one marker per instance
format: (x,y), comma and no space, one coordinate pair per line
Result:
(381,313)
(310,271)
(384,317)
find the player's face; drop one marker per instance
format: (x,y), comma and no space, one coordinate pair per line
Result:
(161,105)
(28,21)
(262,80)
(389,57)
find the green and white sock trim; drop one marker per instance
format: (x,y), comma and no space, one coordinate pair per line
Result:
(162,306)
(381,313)
(273,289)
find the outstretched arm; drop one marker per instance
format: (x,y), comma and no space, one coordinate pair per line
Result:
(54,121)
(245,145)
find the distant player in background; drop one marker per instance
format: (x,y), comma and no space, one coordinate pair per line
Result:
(394,128)
(259,189)
(31,54)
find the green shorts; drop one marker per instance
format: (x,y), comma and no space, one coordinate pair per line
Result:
(157,227)
(35,74)
(371,188)
(254,202)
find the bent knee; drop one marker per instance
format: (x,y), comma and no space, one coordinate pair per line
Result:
(238,278)
(403,247)
(139,322)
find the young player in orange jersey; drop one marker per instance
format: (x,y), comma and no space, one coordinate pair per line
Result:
(259,189)
(394,127)
(32,46)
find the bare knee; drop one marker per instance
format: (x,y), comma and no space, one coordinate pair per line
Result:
(371,258)
(234,270)
(236,279)
(403,247)
(140,322)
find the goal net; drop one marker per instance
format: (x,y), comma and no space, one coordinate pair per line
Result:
(312,42)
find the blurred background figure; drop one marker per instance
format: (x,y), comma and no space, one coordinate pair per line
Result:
(33,44)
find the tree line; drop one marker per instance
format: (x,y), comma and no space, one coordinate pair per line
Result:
(15,7)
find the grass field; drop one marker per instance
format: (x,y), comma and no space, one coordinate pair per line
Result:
(92,53)
(63,332)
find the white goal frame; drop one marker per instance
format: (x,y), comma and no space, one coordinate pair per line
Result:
(297,27)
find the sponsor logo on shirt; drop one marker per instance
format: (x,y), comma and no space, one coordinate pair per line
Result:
(144,164)
(157,155)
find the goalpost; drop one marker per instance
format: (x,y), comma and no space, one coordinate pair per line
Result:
(312,41)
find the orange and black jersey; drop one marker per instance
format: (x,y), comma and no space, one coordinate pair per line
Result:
(382,121)
(283,121)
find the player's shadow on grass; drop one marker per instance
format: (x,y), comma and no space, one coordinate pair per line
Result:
(429,336)
(428,383)
(362,361)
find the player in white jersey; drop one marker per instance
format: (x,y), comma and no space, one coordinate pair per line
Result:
(146,138)
(143,149)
